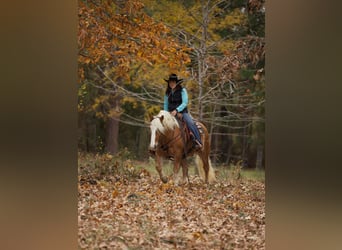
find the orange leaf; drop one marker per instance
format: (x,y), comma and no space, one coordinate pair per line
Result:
(115,193)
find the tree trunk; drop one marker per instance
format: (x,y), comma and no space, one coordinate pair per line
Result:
(112,135)
(200,87)
(244,145)
(202,70)
(259,159)
(230,147)
(112,125)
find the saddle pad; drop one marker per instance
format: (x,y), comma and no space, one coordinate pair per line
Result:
(199,127)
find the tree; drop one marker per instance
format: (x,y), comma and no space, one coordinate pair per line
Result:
(227,49)
(127,48)
(118,42)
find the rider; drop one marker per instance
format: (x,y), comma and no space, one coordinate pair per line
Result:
(176,101)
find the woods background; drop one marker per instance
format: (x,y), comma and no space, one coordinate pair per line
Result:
(127,48)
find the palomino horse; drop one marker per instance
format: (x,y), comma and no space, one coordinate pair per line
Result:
(168,140)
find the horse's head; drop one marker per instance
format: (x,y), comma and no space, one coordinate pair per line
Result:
(160,124)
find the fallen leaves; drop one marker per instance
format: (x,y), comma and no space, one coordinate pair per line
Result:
(147,214)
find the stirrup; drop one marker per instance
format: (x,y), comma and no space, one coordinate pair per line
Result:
(197,145)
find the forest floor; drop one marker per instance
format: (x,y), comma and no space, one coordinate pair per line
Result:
(122,204)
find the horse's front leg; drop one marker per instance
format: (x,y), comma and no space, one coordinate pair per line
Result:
(185,172)
(159,168)
(176,167)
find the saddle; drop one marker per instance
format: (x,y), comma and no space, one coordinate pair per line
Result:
(185,130)
(186,134)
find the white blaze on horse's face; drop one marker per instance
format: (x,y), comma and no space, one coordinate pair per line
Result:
(156,126)
(153,144)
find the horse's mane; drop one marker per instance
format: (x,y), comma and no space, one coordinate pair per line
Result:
(169,122)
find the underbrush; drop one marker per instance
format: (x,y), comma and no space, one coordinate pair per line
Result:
(107,166)
(122,166)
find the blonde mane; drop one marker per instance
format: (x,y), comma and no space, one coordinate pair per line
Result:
(164,122)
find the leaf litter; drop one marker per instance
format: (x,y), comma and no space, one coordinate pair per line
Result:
(144,213)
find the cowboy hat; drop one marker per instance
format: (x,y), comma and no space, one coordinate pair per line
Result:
(173,77)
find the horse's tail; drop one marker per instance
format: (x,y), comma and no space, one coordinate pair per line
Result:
(200,168)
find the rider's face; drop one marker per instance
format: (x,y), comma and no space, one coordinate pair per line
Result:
(172,84)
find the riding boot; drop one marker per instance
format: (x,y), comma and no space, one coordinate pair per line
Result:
(197,145)
(196,139)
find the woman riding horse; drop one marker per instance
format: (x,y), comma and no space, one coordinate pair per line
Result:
(176,101)
(168,140)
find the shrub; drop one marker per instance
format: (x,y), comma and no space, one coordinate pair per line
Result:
(119,166)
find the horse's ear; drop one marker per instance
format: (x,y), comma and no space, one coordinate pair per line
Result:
(161,119)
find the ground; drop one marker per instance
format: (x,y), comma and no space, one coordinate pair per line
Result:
(143,213)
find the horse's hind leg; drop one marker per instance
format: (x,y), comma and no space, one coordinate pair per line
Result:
(159,169)
(205,161)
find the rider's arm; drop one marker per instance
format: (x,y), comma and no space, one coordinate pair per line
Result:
(166,103)
(181,107)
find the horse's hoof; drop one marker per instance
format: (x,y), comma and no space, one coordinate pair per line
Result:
(182,183)
(164,179)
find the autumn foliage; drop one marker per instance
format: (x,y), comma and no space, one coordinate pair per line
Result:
(119,34)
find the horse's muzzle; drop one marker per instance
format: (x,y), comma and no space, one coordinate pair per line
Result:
(152,151)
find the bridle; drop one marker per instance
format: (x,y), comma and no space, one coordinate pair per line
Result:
(165,146)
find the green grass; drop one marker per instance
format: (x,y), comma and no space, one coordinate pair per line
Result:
(222,172)
(254,174)
(234,172)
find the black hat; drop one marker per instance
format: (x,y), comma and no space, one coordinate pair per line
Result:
(174,77)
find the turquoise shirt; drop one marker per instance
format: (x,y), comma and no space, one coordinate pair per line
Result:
(183,105)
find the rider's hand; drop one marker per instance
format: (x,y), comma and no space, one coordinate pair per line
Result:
(174,112)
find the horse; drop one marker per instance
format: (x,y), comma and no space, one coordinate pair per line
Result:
(169,140)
